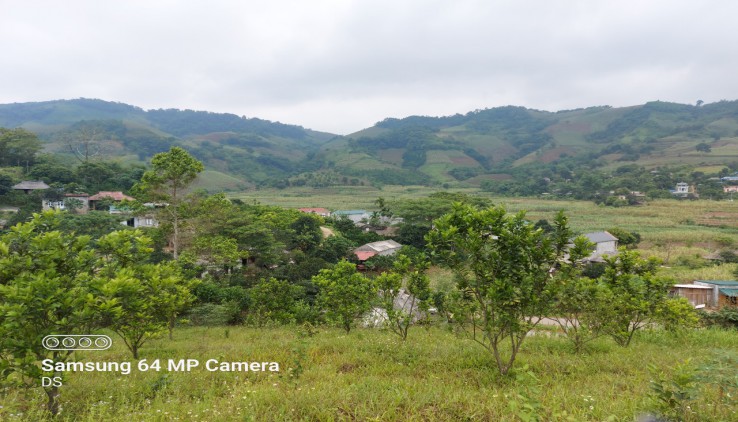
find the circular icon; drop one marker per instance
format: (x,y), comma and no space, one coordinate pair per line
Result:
(51,342)
(102,342)
(68,342)
(84,342)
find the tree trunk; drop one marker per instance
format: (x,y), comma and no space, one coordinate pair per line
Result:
(175,238)
(52,402)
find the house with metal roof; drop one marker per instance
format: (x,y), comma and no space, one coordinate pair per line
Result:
(381,248)
(605,244)
(354,215)
(724,292)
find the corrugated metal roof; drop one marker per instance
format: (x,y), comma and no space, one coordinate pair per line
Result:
(691,286)
(349,212)
(380,246)
(599,237)
(729,292)
(719,282)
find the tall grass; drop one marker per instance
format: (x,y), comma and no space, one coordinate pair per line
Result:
(372,375)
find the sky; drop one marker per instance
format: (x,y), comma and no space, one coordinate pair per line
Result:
(340,66)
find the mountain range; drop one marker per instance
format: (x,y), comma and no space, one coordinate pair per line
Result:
(460,150)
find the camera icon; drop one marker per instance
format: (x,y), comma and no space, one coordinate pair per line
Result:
(76,342)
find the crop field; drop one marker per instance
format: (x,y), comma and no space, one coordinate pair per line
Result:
(370,374)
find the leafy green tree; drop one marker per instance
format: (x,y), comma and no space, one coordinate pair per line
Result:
(637,294)
(344,293)
(171,173)
(18,147)
(335,248)
(274,300)
(139,299)
(503,268)
(625,238)
(404,293)
(45,285)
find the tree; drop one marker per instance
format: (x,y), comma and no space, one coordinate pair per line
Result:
(344,293)
(503,267)
(404,293)
(84,141)
(637,294)
(45,286)
(171,173)
(139,300)
(18,147)
(274,300)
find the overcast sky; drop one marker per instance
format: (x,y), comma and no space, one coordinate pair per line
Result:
(341,66)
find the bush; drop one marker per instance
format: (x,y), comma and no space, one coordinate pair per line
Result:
(725,317)
(211,314)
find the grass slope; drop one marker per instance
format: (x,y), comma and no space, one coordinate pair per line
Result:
(372,375)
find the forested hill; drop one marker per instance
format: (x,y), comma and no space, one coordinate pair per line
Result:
(513,143)
(499,149)
(237,151)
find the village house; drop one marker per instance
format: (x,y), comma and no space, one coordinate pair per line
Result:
(323,212)
(699,296)
(605,244)
(729,189)
(354,215)
(683,190)
(724,292)
(115,197)
(380,248)
(77,202)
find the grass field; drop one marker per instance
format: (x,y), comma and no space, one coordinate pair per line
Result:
(371,375)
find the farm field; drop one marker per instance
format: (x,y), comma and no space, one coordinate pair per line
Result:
(369,374)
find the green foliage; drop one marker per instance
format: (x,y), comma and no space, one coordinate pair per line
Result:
(725,317)
(638,295)
(629,239)
(18,147)
(171,172)
(672,396)
(581,305)
(503,267)
(139,300)
(45,288)
(274,300)
(344,293)
(404,293)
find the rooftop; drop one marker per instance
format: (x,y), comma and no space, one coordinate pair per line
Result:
(31,185)
(349,212)
(719,282)
(380,246)
(729,292)
(599,237)
(115,196)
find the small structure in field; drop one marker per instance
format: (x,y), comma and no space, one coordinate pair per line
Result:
(724,292)
(699,296)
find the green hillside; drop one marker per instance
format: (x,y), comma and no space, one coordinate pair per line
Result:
(237,151)
(489,147)
(486,144)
